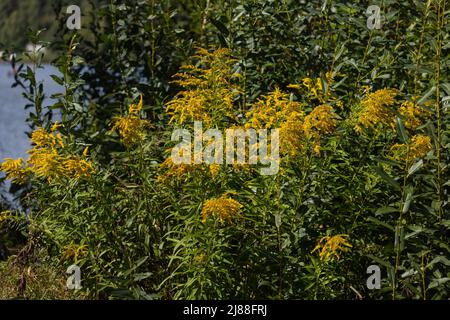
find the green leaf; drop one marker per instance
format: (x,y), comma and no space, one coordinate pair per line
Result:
(220,26)
(437,282)
(407,202)
(387,178)
(416,166)
(57,79)
(427,95)
(403,135)
(384,210)
(381,223)
(380,261)
(142,276)
(277,220)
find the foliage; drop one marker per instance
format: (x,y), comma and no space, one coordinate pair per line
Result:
(364,137)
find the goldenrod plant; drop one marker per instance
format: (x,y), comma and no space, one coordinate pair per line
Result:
(352,118)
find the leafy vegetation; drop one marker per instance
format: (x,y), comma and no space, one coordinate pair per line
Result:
(364,145)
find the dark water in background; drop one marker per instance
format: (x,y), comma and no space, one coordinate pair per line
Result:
(13,141)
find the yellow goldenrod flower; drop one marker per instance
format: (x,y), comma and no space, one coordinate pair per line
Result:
(294,86)
(307,82)
(377,110)
(48,161)
(74,251)
(214,169)
(223,207)
(329,77)
(418,146)
(131,127)
(171,170)
(77,168)
(209,90)
(41,138)
(315,88)
(55,127)
(45,162)
(331,246)
(321,120)
(14,170)
(413,114)
(135,109)
(276,110)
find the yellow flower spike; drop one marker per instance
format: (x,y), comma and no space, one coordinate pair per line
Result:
(74,251)
(14,170)
(135,109)
(319,84)
(131,127)
(59,140)
(329,246)
(322,119)
(307,82)
(214,169)
(41,138)
(85,152)
(208,93)
(78,168)
(413,114)
(294,86)
(48,161)
(418,146)
(173,171)
(329,77)
(224,208)
(55,127)
(377,110)
(276,110)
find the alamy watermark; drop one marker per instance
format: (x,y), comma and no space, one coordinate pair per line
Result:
(374,280)
(374,20)
(74,280)
(236,151)
(74,20)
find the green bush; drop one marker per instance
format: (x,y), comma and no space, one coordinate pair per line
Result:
(364,142)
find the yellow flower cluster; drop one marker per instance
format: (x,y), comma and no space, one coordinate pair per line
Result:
(47,160)
(131,127)
(315,88)
(413,114)
(171,170)
(14,170)
(210,89)
(223,208)
(418,146)
(74,251)
(321,120)
(331,246)
(273,110)
(214,170)
(277,110)
(377,110)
